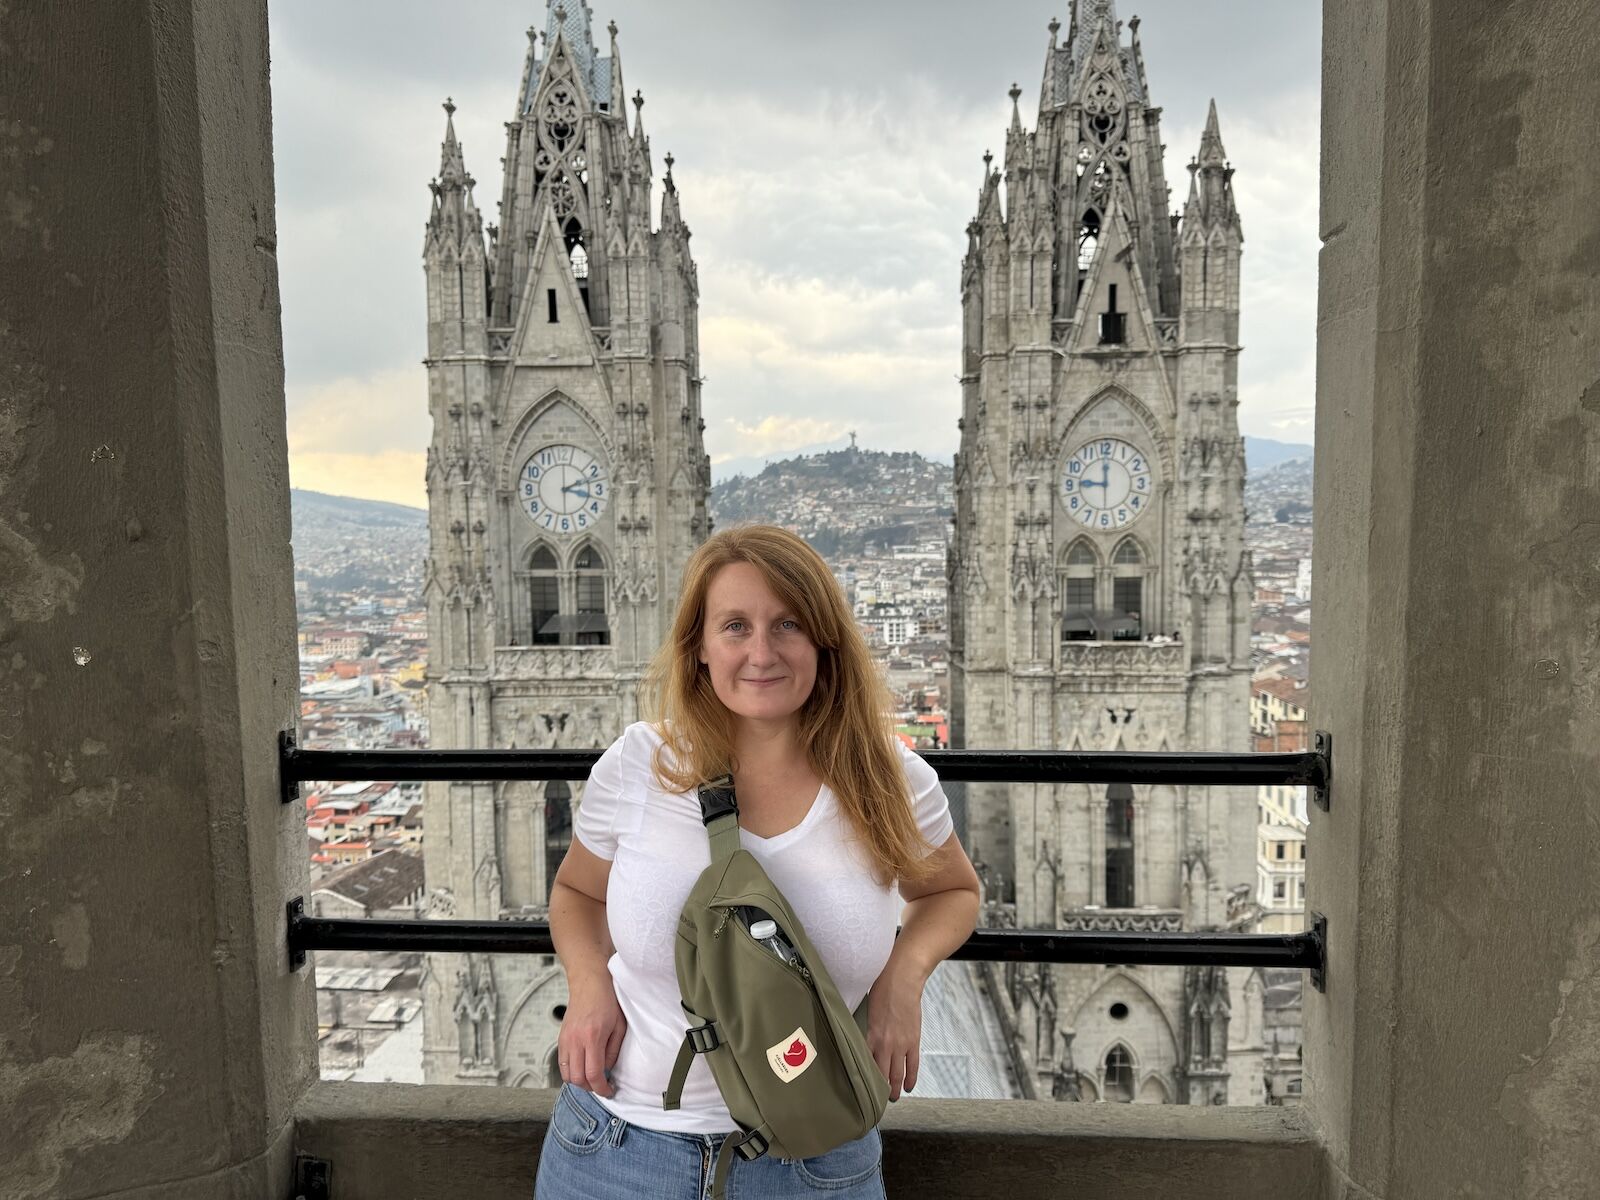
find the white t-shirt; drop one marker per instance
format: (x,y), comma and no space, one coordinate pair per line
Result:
(657,846)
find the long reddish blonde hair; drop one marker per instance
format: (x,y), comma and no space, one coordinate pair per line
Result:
(844,724)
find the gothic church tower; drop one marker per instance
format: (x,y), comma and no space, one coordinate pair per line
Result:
(567,484)
(1099,584)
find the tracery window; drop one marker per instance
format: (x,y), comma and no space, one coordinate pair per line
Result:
(592,626)
(557,828)
(1119,1075)
(1119,845)
(544,593)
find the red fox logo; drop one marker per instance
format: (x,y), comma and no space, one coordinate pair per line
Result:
(792,1057)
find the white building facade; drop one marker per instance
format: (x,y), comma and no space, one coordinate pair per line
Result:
(567,484)
(1099,506)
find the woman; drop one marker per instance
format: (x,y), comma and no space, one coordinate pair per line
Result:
(765,676)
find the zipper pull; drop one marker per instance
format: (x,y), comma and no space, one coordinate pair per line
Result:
(722,922)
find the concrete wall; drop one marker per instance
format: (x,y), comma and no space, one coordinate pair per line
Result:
(152,1042)
(389,1140)
(1458,577)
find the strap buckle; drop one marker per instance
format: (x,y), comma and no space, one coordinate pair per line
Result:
(717,799)
(703,1039)
(752,1146)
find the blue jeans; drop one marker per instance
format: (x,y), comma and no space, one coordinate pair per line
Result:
(589,1154)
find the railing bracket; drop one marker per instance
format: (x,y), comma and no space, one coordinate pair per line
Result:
(313,1178)
(1322,746)
(297,916)
(1319,937)
(288,781)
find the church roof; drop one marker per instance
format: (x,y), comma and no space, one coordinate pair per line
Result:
(1072,56)
(571,19)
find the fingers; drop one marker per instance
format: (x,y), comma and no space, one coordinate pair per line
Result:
(594,1077)
(897,1074)
(913,1065)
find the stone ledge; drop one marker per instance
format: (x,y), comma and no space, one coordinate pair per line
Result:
(387,1140)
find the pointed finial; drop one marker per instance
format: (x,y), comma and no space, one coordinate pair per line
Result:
(1055,28)
(611,27)
(449,106)
(1014,93)
(669,160)
(533,34)
(638,100)
(987,159)
(1133,24)
(561,14)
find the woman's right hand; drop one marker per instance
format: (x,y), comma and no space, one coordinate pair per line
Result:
(591,1034)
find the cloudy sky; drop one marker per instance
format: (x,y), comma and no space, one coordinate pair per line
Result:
(828,156)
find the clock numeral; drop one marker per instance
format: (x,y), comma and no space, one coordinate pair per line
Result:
(594,508)
(1067,485)
(583,520)
(1138,464)
(527,489)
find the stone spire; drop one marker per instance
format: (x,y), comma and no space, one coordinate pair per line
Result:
(1211,180)
(619,94)
(454,217)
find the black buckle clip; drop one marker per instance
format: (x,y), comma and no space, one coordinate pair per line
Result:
(717,799)
(703,1039)
(752,1146)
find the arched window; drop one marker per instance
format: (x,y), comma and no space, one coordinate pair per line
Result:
(1077,613)
(557,828)
(593,627)
(580,262)
(1088,241)
(544,593)
(1119,1076)
(1127,588)
(1119,845)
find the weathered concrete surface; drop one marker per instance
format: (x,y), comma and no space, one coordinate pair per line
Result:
(1458,599)
(392,1140)
(151,1039)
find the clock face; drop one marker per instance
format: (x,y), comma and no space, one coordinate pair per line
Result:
(563,489)
(1105,483)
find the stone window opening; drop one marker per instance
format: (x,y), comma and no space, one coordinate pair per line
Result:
(1119,1076)
(1078,588)
(557,829)
(578,257)
(1119,845)
(1127,590)
(1088,241)
(544,595)
(568,607)
(590,595)
(1113,324)
(553,316)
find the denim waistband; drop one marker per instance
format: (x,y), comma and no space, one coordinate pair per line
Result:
(591,1104)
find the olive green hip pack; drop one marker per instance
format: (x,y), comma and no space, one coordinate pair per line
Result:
(790,1059)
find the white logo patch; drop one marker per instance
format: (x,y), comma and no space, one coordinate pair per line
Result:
(791,1058)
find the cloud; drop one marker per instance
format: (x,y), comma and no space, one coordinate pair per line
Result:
(776,435)
(828,180)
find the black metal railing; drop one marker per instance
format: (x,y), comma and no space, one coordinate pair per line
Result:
(1312,769)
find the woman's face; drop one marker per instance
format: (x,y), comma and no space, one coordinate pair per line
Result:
(762,664)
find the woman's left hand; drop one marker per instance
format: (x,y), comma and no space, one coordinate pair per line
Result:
(894,1026)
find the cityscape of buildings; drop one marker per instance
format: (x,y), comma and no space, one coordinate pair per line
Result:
(528,623)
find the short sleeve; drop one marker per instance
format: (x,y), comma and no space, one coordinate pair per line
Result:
(929,805)
(596,823)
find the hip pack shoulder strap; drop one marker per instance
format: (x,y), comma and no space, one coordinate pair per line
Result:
(719,809)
